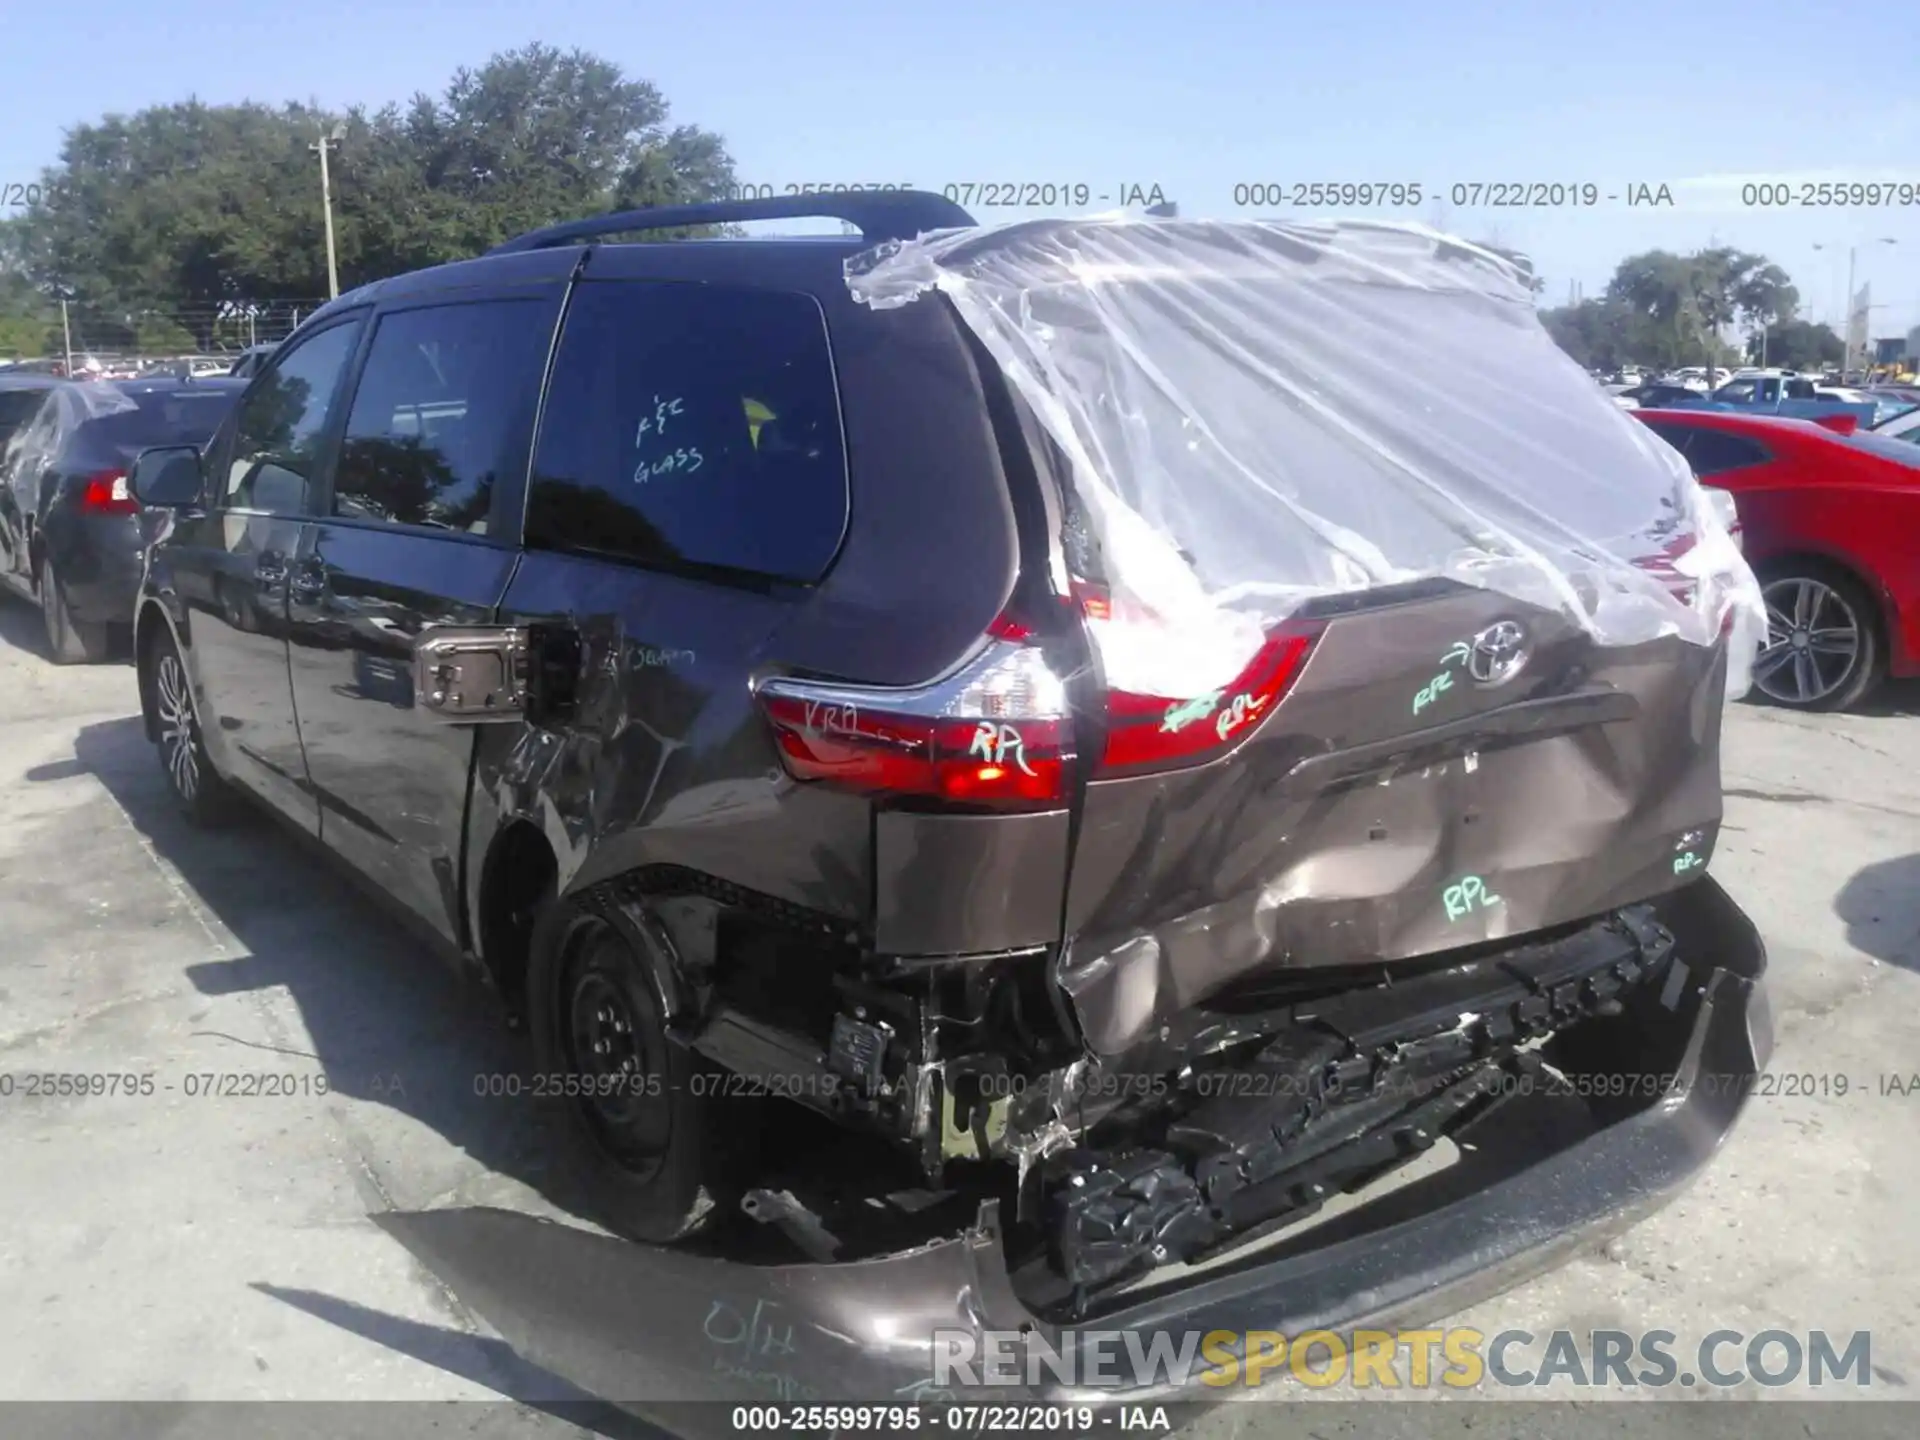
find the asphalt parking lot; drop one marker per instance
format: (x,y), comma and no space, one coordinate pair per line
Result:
(180,1246)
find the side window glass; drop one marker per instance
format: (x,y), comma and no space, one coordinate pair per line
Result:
(693,425)
(443,392)
(1713,452)
(278,431)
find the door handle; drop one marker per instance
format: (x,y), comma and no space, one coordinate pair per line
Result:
(308,582)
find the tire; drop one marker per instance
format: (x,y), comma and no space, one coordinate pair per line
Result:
(1824,650)
(660,1163)
(69,642)
(197,789)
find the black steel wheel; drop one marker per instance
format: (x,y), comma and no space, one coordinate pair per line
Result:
(654,1139)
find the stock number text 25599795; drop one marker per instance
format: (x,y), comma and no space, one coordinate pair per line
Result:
(1363,194)
(1402,194)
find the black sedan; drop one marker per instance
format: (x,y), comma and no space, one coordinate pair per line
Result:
(70,536)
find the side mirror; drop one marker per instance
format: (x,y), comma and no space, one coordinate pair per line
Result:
(168,476)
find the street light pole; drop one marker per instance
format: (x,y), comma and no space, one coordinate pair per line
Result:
(1853,259)
(1846,304)
(326,142)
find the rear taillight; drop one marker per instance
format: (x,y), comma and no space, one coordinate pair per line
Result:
(995,733)
(105,493)
(1165,732)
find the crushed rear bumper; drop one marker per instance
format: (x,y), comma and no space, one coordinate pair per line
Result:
(646,1327)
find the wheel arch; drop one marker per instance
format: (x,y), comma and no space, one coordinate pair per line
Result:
(519,872)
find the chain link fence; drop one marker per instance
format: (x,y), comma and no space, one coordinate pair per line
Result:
(123,338)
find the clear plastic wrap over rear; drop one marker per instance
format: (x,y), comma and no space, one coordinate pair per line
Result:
(1257,413)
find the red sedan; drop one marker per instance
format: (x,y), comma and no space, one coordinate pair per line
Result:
(1832,527)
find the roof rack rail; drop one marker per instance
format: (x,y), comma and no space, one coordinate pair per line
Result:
(880,215)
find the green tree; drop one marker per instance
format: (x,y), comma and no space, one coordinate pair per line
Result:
(1765,297)
(204,205)
(1799,345)
(1685,303)
(1602,334)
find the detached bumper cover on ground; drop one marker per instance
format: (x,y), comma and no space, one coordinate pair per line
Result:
(646,1327)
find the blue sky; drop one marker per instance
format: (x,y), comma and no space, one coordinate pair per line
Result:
(1197,98)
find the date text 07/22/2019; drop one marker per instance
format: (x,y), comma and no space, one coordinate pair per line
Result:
(987,194)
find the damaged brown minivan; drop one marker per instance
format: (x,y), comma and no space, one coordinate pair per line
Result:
(1123,768)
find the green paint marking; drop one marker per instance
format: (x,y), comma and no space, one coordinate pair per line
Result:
(1686,862)
(1468,895)
(1188,712)
(1457,653)
(1431,691)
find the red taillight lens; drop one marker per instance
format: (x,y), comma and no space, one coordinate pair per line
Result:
(106,493)
(978,761)
(996,733)
(1163,732)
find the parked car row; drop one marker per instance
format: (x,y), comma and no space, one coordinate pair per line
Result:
(139,367)
(1777,392)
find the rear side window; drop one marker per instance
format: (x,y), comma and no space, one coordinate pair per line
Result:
(693,426)
(1712,451)
(443,392)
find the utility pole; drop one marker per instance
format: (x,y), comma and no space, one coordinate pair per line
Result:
(326,142)
(66,335)
(1853,258)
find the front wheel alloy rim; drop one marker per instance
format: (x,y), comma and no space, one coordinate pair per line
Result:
(176,727)
(1813,642)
